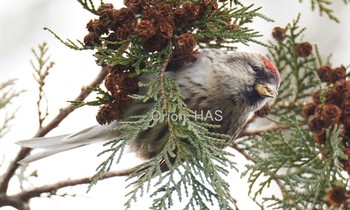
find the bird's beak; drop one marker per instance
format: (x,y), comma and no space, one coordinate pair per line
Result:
(266,90)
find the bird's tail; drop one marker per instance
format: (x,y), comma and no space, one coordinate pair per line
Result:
(42,142)
(57,144)
(50,150)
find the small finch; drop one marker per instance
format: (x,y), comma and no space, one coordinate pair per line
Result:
(234,83)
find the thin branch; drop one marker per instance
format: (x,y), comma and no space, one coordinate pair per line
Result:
(37,191)
(64,112)
(22,198)
(14,202)
(258,131)
(242,152)
(287,104)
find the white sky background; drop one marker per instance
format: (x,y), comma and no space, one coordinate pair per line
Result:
(21,28)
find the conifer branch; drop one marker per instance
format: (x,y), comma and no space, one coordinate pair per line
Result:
(206,25)
(162,72)
(5,124)
(324,7)
(129,44)
(63,113)
(296,61)
(69,43)
(41,72)
(89,6)
(162,86)
(305,177)
(307,165)
(7,95)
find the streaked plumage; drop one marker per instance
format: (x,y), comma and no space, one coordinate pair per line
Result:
(234,82)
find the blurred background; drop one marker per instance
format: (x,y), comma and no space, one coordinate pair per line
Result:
(21,28)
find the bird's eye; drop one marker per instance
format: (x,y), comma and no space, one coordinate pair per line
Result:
(256,68)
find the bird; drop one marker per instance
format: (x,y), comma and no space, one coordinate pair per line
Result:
(229,83)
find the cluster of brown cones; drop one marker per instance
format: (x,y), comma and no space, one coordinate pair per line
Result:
(156,25)
(331,107)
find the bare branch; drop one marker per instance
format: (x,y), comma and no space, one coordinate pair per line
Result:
(243,152)
(20,200)
(258,131)
(64,112)
(14,202)
(37,191)
(287,104)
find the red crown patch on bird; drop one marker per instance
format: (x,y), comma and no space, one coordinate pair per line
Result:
(270,66)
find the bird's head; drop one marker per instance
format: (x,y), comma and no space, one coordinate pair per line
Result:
(251,79)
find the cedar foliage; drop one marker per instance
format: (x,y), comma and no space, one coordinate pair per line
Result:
(306,169)
(307,156)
